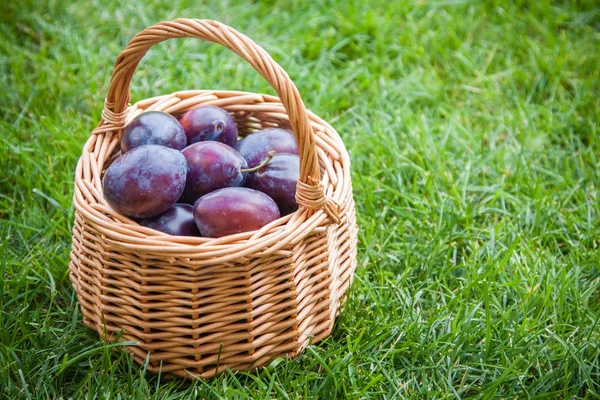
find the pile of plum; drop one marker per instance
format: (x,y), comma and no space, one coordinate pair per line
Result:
(194,177)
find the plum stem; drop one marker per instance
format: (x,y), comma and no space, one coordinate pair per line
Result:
(263,163)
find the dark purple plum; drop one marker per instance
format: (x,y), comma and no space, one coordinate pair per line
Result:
(254,147)
(145,181)
(153,127)
(211,166)
(233,210)
(209,123)
(278,179)
(177,220)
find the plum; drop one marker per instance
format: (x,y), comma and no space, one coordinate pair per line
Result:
(209,123)
(177,220)
(153,127)
(278,180)
(254,147)
(233,210)
(145,181)
(211,166)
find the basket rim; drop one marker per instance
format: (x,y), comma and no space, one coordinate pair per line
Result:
(125,232)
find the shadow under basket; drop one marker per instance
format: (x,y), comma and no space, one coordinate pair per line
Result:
(197,306)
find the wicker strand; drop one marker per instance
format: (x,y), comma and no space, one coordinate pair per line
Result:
(313,196)
(111,121)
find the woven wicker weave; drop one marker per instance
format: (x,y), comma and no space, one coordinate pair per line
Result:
(201,305)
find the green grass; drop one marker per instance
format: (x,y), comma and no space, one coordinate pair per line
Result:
(473,131)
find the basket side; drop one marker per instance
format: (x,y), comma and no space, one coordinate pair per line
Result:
(188,318)
(312,279)
(328,259)
(343,241)
(324,267)
(84,273)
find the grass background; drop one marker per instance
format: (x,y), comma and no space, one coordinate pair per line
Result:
(473,131)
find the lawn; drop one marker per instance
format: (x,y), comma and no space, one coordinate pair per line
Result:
(473,131)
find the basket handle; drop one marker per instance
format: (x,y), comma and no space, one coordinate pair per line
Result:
(309,191)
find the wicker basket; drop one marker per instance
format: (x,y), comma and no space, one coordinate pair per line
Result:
(197,306)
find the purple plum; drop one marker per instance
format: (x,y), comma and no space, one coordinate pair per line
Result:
(254,147)
(145,181)
(153,127)
(278,180)
(233,210)
(209,123)
(177,220)
(211,166)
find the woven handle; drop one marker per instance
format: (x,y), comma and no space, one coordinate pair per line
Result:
(309,192)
